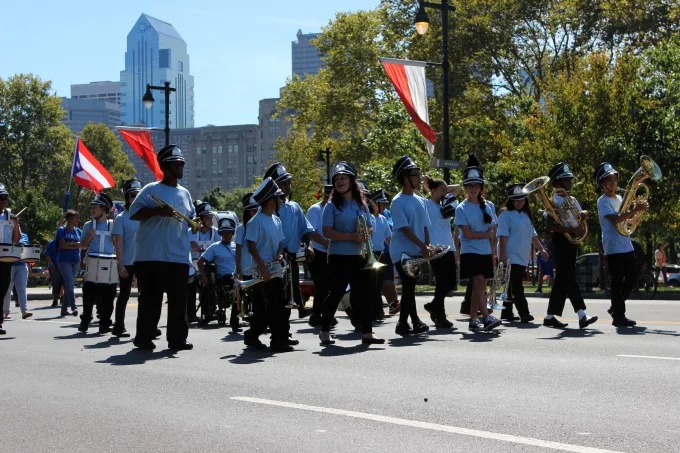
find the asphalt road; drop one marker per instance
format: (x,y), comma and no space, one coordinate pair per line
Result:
(524,389)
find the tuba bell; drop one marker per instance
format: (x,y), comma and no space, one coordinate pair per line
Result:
(561,214)
(648,170)
(411,264)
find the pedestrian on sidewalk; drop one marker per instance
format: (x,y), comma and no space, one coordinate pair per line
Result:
(55,276)
(18,281)
(68,259)
(10,233)
(660,265)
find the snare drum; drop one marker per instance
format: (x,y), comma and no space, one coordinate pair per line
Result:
(101,269)
(31,253)
(10,253)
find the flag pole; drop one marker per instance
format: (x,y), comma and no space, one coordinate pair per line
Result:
(67,196)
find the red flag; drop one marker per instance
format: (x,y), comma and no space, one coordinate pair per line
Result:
(141,144)
(408,78)
(87,171)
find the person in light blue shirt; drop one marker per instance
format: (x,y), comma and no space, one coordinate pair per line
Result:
(244,260)
(297,230)
(206,235)
(516,234)
(617,247)
(18,282)
(161,253)
(442,201)
(124,232)
(380,240)
(98,243)
(476,219)
(318,266)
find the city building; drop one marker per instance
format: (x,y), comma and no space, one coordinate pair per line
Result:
(107,91)
(306,57)
(270,129)
(79,112)
(156,53)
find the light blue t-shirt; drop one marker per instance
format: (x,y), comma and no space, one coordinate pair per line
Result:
(612,241)
(126,228)
(315,218)
(267,232)
(101,243)
(471,215)
(407,211)
(381,231)
(295,225)
(224,257)
(204,240)
(344,220)
(517,227)
(246,257)
(162,238)
(440,228)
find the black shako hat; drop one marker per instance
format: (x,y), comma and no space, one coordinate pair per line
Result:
(248,202)
(514,191)
(266,191)
(378,196)
(204,208)
(168,154)
(473,173)
(227,223)
(278,173)
(103,200)
(560,171)
(602,171)
(405,163)
(449,205)
(343,168)
(130,186)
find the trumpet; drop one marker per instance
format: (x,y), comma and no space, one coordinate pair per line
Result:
(559,214)
(176,214)
(411,264)
(501,277)
(648,170)
(366,247)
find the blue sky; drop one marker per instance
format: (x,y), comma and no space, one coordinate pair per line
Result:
(239,50)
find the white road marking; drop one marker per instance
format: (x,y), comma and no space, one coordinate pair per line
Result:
(431,426)
(647,357)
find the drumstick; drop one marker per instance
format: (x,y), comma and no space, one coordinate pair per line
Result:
(19,213)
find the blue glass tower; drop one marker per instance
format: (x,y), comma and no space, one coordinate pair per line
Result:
(156,53)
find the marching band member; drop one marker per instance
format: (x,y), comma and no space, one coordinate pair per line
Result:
(564,253)
(411,235)
(380,240)
(442,201)
(223,254)
(389,290)
(617,247)
(243,258)
(97,241)
(18,282)
(68,258)
(345,259)
(162,253)
(55,277)
(318,266)
(124,230)
(206,235)
(476,219)
(516,234)
(265,240)
(296,230)
(10,233)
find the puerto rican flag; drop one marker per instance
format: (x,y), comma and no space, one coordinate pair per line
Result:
(408,78)
(87,171)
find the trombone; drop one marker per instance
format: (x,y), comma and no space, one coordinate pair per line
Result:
(176,214)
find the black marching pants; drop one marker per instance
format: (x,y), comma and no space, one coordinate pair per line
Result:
(5,277)
(408,296)
(192,288)
(444,270)
(153,279)
(623,271)
(517,289)
(101,294)
(123,297)
(343,270)
(269,307)
(319,270)
(295,269)
(564,284)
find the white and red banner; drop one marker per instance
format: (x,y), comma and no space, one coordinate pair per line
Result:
(141,143)
(408,78)
(87,171)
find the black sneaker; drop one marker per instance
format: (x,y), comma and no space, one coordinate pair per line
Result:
(74,312)
(63,313)
(120,332)
(443,323)
(254,343)
(554,322)
(474,325)
(623,322)
(293,342)
(526,319)
(491,323)
(55,304)
(181,346)
(144,345)
(83,327)
(420,327)
(509,315)
(3,331)
(403,329)
(586,321)
(394,308)
(281,346)
(104,329)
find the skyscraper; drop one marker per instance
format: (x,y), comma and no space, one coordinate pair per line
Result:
(156,53)
(108,91)
(306,57)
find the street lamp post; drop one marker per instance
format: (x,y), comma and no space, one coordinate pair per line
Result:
(320,159)
(422,23)
(149,100)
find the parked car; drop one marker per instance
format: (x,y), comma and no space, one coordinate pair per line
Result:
(38,276)
(588,263)
(674,279)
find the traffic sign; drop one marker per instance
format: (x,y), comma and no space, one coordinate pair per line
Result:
(445,163)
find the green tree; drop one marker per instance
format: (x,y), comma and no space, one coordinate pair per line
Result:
(226,201)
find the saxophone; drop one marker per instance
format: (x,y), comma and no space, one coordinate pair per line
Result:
(648,170)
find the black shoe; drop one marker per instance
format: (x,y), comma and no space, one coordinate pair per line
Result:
(508,315)
(236,328)
(192,320)
(403,329)
(334,322)
(105,329)
(63,313)
(373,340)
(554,322)
(279,346)
(181,346)
(293,342)
(526,319)
(430,309)
(74,312)
(491,323)
(623,322)
(158,333)
(420,327)
(55,304)
(443,323)
(144,345)
(255,344)
(586,321)
(83,327)
(303,312)
(474,325)
(3,331)
(314,320)
(120,333)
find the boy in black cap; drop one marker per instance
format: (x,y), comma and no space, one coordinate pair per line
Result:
(617,247)
(162,253)
(10,233)
(564,253)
